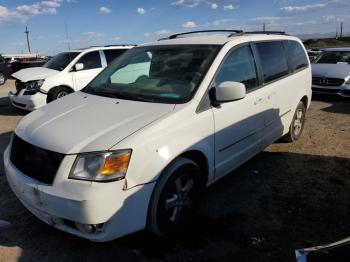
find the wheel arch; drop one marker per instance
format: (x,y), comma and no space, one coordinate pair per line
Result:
(58,86)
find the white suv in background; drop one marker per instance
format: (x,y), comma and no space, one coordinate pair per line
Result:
(135,148)
(63,74)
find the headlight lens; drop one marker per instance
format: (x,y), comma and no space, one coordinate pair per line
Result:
(101,167)
(347,80)
(34,86)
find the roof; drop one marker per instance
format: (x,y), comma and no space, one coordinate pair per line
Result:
(96,48)
(218,39)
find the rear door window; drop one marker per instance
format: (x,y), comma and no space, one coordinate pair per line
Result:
(296,55)
(273,60)
(91,60)
(112,54)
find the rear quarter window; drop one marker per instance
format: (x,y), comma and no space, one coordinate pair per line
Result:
(296,55)
(273,60)
(112,54)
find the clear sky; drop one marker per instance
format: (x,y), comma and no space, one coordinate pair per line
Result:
(97,22)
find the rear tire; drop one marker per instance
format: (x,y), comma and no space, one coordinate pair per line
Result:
(297,126)
(58,92)
(174,198)
(2,79)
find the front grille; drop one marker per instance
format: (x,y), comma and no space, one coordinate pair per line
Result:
(325,90)
(35,162)
(20,85)
(323,81)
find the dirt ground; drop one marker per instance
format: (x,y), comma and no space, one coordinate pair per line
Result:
(290,196)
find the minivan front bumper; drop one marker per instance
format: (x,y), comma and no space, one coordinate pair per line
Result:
(27,102)
(343,91)
(69,203)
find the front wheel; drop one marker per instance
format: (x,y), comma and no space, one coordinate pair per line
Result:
(297,126)
(57,92)
(2,79)
(174,198)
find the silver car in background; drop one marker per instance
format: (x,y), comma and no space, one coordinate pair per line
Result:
(331,72)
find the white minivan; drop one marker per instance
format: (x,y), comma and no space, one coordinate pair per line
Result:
(137,145)
(63,74)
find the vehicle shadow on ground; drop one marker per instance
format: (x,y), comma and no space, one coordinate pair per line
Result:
(4,141)
(273,204)
(340,105)
(6,109)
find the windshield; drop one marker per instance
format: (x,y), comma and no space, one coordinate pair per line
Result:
(60,61)
(159,74)
(333,57)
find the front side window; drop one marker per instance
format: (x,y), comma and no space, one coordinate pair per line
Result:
(59,62)
(239,67)
(91,60)
(296,55)
(159,74)
(272,59)
(333,57)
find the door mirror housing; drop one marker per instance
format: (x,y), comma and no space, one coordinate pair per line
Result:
(228,92)
(78,67)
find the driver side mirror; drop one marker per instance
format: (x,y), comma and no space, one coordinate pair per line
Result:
(78,67)
(228,92)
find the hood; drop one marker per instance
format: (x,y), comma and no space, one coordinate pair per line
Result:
(331,70)
(34,73)
(81,122)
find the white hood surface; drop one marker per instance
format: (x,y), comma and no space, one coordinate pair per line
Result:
(85,123)
(34,73)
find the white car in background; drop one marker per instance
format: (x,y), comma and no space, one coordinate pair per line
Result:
(65,73)
(135,148)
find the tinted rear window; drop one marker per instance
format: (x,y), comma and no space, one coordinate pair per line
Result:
(113,54)
(296,55)
(273,60)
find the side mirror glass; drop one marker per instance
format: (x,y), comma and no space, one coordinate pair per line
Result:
(228,91)
(79,67)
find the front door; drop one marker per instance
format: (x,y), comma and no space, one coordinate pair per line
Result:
(239,125)
(92,67)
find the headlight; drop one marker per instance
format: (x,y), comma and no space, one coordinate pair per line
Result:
(34,86)
(347,80)
(101,167)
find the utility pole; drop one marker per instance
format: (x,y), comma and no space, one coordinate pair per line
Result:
(27,33)
(341,29)
(264,27)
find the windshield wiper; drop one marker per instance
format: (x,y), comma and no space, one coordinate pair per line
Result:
(120,95)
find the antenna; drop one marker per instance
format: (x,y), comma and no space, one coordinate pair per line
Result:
(67,35)
(27,33)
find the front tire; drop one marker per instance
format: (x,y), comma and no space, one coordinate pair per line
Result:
(57,92)
(174,198)
(297,126)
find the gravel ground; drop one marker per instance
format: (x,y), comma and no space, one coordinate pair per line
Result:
(290,196)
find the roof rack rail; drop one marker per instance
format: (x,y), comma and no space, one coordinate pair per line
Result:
(201,31)
(120,45)
(267,32)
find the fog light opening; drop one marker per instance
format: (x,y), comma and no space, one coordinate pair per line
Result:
(89,228)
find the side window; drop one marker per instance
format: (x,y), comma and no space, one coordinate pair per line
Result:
(112,54)
(91,60)
(239,66)
(273,60)
(137,69)
(296,55)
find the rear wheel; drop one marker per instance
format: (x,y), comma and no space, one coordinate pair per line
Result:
(174,198)
(2,79)
(297,126)
(57,92)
